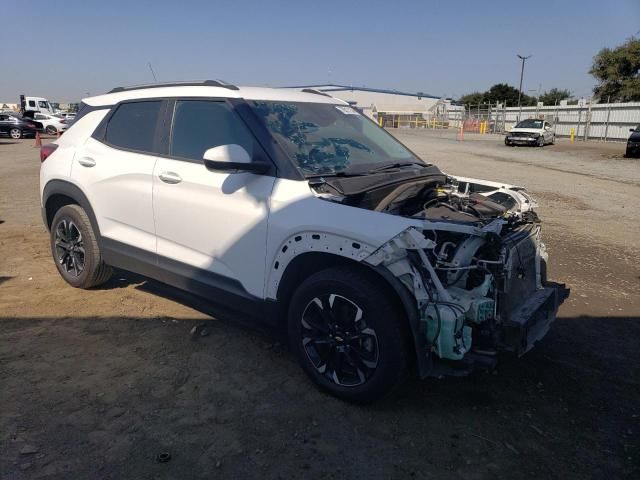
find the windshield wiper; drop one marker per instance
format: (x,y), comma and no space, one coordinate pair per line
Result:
(341,173)
(391,166)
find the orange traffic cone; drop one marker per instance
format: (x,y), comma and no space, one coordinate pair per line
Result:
(38,143)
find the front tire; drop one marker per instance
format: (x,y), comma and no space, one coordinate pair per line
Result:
(15,133)
(348,335)
(51,130)
(75,249)
(540,141)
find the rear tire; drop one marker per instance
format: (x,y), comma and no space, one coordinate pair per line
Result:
(75,249)
(348,335)
(15,133)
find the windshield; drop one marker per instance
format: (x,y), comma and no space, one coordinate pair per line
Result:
(530,124)
(329,139)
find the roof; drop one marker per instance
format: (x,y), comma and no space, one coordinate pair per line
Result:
(206,90)
(330,87)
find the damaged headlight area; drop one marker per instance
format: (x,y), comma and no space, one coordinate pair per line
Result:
(478,290)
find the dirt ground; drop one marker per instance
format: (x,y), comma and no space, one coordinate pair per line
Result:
(95,384)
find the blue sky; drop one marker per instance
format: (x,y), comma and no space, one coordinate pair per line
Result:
(65,49)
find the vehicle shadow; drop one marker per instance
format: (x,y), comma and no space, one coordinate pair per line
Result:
(566,405)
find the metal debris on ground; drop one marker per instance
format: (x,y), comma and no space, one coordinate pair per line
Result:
(163,457)
(199,330)
(28,450)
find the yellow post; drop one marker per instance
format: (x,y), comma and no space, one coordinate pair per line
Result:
(380,120)
(573,134)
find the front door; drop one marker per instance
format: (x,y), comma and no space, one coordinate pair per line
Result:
(211,226)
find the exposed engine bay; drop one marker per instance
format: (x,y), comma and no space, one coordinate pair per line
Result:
(474,262)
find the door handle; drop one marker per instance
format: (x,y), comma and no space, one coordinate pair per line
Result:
(170,177)
(87,162)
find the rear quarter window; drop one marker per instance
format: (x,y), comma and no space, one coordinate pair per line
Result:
(133,125)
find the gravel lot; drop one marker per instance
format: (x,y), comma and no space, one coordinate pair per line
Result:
(95,384)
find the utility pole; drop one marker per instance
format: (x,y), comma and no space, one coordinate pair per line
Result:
(524,59)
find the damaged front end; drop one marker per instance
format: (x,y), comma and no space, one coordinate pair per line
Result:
(475,265)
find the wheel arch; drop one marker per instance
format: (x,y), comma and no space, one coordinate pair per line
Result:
(58,193)
(306,264)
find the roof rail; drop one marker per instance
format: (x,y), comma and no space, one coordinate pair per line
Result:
(317,92)
(204,83)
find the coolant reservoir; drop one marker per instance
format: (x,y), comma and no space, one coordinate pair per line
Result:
(446,331)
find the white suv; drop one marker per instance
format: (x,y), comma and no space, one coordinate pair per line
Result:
(294,208)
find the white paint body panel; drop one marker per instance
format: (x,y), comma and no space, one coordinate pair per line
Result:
(119,188)
(248,93)
(296,211)
(214,221)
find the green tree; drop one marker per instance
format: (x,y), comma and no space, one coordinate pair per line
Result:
(553,96)
(618,72)
(500,92)
(472,98)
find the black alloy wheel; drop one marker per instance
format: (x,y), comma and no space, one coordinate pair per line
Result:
(338,341)
(75,248)
(349,334)
(69,247)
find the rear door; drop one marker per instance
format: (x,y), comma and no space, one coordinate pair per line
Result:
(115,169)
(211,226)
(4,123)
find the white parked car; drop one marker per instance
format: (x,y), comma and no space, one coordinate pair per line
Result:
(66,115)
(51,124)
(297,210)
(531,132)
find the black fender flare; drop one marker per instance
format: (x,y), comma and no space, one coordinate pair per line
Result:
(408,301)
(68,189)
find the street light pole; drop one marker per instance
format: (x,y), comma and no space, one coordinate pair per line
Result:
(524,59)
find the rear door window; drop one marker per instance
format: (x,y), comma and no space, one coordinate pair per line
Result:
(199,125)
(133,126)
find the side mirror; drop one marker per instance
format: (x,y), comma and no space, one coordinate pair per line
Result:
(632,129)
(232,158)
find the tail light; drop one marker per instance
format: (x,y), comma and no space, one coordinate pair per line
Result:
(47,150)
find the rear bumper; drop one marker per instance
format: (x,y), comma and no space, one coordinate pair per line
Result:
(531,321)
